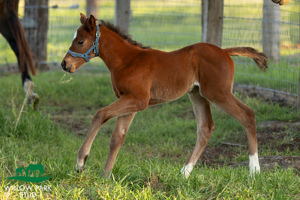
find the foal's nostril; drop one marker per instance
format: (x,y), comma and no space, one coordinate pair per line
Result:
(63,64)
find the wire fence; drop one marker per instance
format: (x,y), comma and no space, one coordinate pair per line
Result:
(172,24)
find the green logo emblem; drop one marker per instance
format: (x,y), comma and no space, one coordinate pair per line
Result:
(31,173)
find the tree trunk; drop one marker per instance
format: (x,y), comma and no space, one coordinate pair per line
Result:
(271,30)
(92,8)
(35,24)
(122,14)
(212,21)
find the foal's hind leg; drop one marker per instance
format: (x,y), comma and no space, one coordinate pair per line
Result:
(205,127)
(246,117)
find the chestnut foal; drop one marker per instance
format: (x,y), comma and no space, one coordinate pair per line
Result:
(142,77)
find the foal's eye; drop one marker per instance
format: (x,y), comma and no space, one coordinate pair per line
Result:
(80,42)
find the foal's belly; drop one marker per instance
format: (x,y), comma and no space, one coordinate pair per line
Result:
(169,89)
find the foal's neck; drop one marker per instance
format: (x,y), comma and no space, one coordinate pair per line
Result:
(115,51)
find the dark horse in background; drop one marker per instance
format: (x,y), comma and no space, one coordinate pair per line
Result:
(13,32)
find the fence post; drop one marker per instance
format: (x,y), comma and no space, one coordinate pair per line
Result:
(212,21)
(122,14)
(36,29)
(298,97)
(271,30)
(92,8)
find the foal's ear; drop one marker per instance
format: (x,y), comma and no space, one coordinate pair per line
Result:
(82,18)
(91,23)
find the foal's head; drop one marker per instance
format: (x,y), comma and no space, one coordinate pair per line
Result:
(83,47)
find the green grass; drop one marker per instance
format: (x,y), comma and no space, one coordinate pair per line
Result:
(157,146)
(160,138)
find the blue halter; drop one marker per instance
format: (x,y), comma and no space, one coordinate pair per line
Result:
(93,47)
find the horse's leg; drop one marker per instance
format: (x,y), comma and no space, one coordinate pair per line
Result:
(126,105)
(246,117)
(205,127)
(117,139)
(26,79)
(28,85)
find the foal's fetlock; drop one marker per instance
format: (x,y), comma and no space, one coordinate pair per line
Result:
(79,169)
(80,164)
(32,98)
(106,174)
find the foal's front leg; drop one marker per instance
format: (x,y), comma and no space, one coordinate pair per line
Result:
(126,105)
(117,139)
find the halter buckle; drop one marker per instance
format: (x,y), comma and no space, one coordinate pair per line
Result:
(98,34)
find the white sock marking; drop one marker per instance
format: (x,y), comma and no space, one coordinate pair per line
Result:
(187,169)
(254,164)
(75,35)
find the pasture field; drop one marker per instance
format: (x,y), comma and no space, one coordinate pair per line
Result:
(160,138)
(170,25)
(157,145)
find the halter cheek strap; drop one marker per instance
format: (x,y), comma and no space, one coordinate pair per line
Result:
(94,47)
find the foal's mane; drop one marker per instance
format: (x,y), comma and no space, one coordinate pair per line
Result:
(120,32)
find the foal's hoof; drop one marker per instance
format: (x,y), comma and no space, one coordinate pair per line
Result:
(79,169)
(107,174)
(33,100)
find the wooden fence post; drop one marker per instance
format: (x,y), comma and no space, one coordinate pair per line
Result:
(92,8)
(35,24)
(212,21)
(298,97)
(271,30)
(122,14)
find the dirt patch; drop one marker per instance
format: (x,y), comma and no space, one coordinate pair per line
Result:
(283,99)
(218,157)
(271,162)
(273,125)
(69,119)
(282,137)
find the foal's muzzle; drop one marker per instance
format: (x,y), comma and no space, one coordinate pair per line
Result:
(64,66)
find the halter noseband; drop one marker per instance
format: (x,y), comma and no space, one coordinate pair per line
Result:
(93,47)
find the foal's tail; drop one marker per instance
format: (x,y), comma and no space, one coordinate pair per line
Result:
(260,58)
